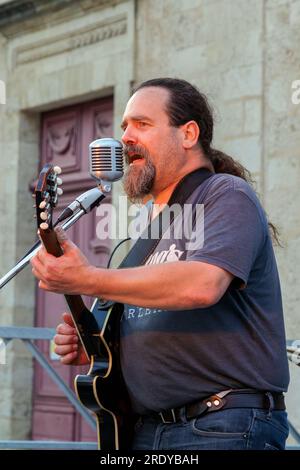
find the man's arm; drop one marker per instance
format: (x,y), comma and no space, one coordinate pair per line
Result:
(174,285)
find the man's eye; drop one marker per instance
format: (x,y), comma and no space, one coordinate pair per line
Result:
(142,124)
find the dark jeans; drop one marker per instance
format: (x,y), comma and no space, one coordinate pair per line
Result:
(235,429)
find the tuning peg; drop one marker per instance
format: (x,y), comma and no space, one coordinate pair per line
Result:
(59,181)
(43,205)
(34,206)
(59,191)
(33,195)
(44,215)
(57,170)
(44,226)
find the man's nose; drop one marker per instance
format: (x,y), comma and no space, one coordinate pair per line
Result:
(128,136)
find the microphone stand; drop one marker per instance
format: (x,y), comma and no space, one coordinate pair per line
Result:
(71,221)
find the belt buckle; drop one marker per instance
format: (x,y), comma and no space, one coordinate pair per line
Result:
(214,403)
(165,419)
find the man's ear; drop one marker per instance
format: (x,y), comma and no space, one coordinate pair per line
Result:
(191,133)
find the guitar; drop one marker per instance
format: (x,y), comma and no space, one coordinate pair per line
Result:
(102,390)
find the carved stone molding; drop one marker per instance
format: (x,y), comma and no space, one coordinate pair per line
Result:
(61,140)
(21,10)
(103,126)
(86,36)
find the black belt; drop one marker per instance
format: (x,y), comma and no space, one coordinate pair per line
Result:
(223,400)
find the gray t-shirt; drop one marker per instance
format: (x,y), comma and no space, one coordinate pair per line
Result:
(171,358)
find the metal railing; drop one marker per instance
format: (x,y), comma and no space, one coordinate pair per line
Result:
(47,445)
(28,335)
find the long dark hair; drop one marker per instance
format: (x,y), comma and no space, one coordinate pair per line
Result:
(187,103)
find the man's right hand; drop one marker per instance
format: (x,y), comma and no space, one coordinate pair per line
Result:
(67,343)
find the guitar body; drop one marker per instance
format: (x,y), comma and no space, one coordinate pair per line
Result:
(102,390)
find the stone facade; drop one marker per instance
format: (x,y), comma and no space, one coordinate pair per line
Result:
(243,54)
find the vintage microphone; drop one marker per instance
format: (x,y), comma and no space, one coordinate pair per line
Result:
(106,161)
(106,165)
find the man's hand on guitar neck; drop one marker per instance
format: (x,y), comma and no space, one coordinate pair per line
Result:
(67,344)
(66,273)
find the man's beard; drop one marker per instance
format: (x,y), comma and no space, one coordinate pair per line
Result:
(138,179)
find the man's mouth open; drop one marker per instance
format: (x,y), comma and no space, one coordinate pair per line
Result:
(135,159)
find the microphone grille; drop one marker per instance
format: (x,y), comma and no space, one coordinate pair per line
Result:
(106,159)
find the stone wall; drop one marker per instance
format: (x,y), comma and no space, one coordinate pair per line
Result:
(281,138)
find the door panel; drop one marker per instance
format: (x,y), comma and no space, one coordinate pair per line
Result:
(65,136)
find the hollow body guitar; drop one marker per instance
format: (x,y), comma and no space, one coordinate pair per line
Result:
(102,390)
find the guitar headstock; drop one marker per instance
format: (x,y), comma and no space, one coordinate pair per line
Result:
(46,195)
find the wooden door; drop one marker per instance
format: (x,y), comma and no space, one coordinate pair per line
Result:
(65,136)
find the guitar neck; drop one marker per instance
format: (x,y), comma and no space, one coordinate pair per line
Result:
(84,321)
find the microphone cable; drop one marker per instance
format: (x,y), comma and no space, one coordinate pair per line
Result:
(114,250)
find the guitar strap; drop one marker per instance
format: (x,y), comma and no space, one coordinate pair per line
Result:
(145,244)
